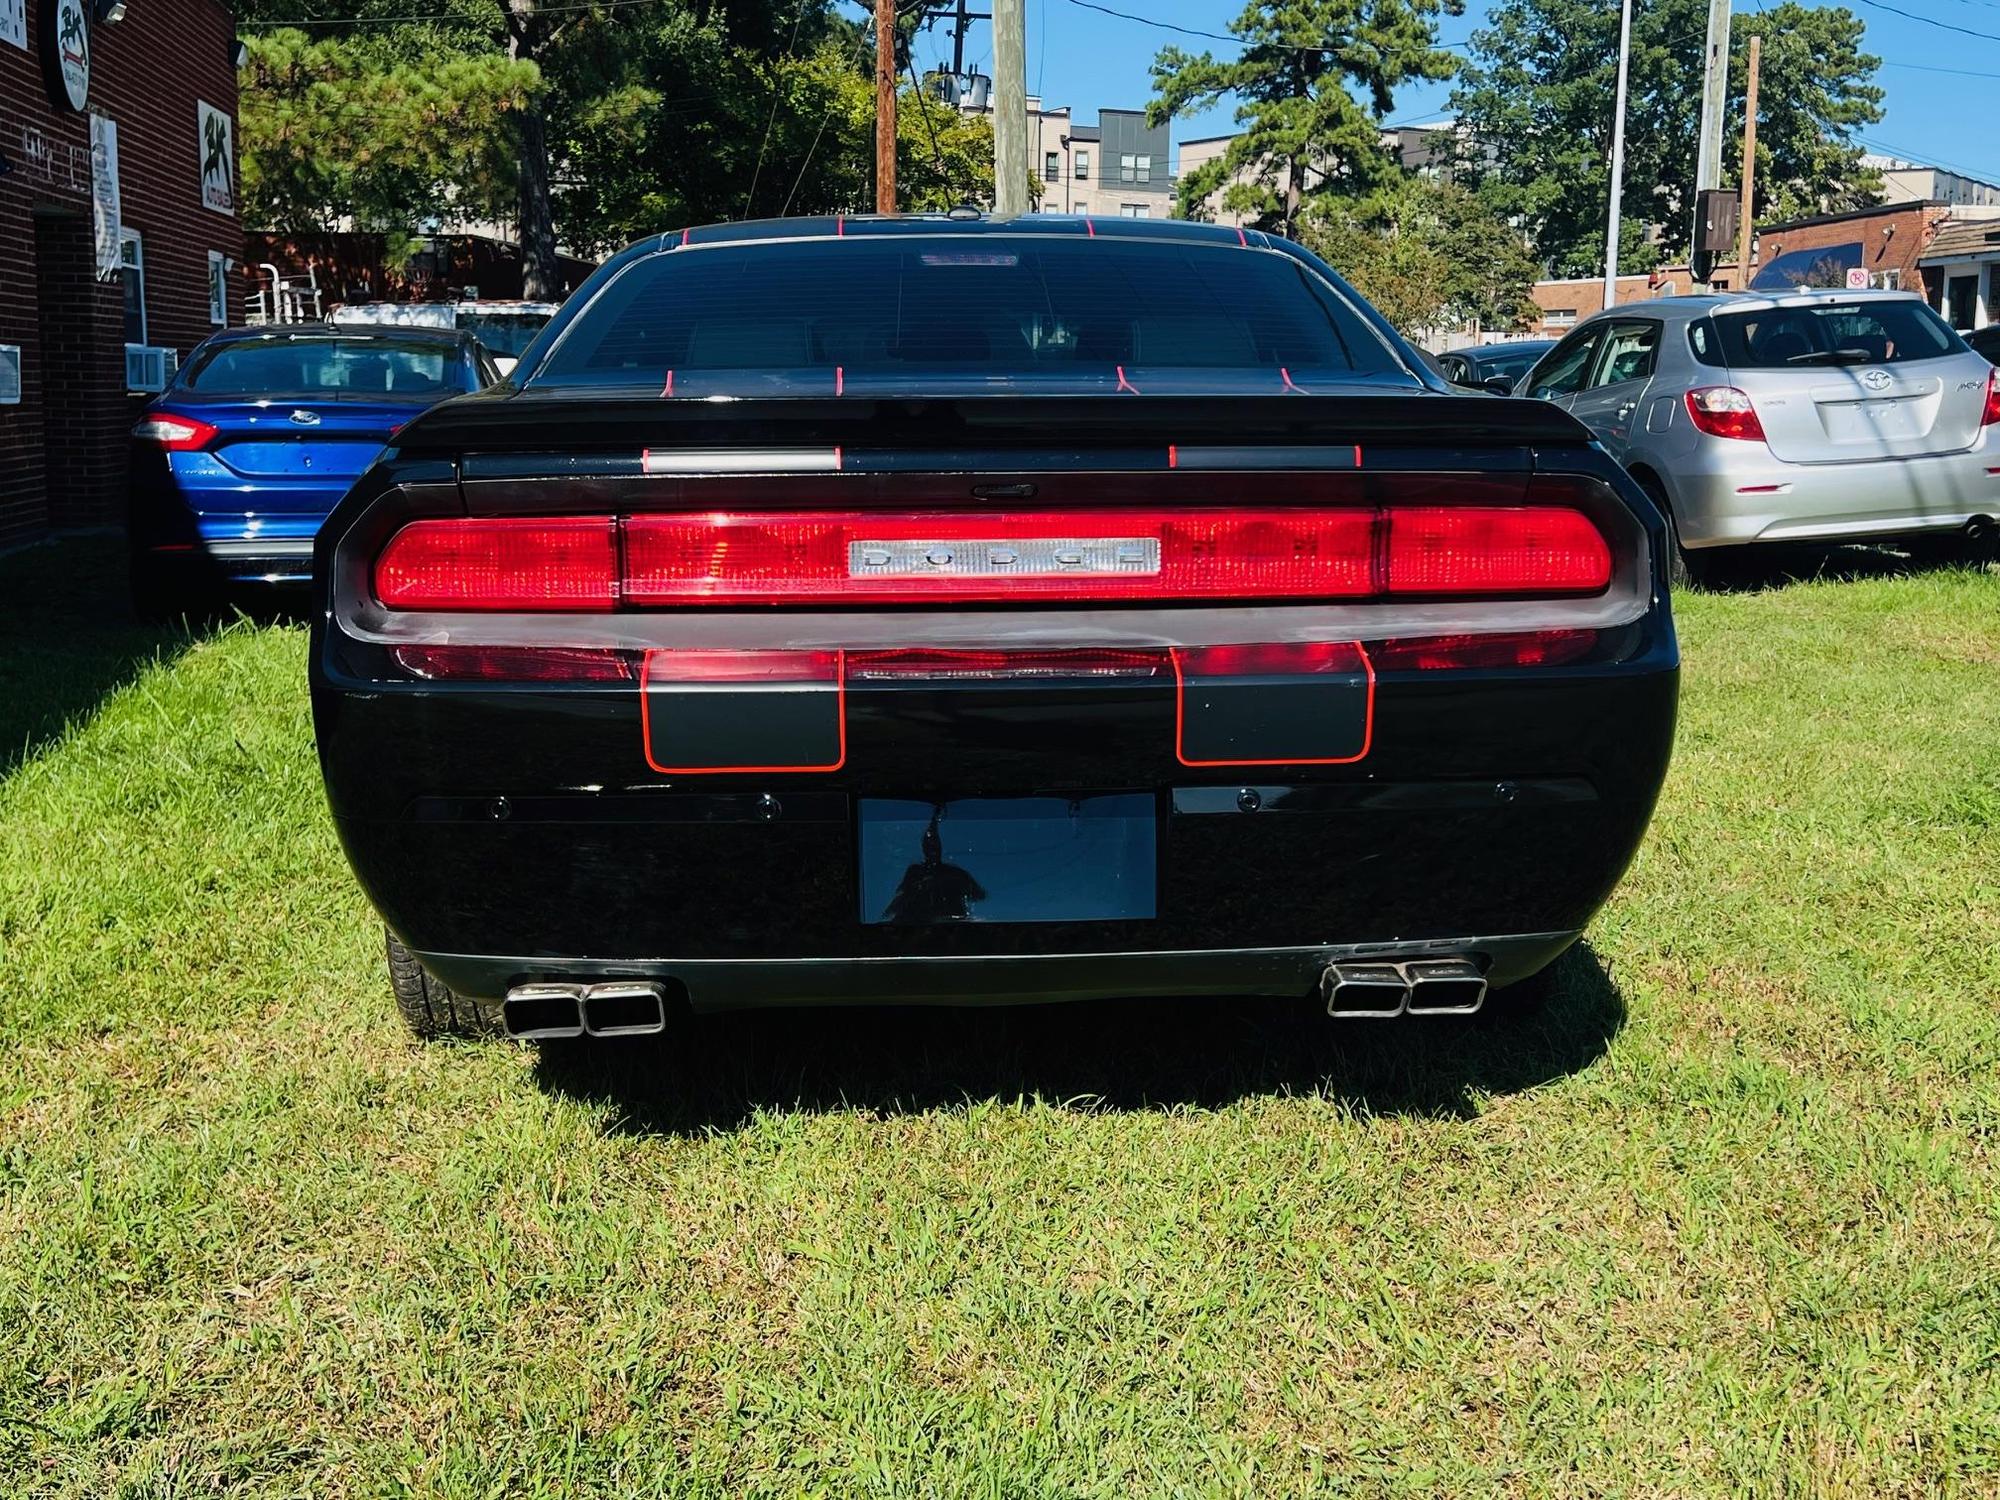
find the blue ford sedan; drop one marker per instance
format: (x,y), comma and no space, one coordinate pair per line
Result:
(262,431)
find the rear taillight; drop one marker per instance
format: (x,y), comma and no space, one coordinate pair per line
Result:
(753,558)
(175,434)
(519,663)
(1507,648)
(1991,414)
(501,563)
(1725,412)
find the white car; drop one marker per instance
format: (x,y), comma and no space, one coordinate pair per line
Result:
(1789,417)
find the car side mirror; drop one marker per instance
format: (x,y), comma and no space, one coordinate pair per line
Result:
(1498,385)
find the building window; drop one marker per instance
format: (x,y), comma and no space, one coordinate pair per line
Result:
(1128,168)
(132,264)
(1135,210)
(1560,317)
(1052,167)
(218,289)
(1962,301)
(1145,169)
(1892,279)
(1083,166)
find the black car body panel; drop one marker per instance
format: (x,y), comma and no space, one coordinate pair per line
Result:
(514,832)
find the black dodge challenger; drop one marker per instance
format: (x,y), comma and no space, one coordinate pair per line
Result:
(942,609)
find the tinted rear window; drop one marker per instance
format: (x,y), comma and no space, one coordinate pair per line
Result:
(504,334)
(1003,310)
(326,367)
(1870,333)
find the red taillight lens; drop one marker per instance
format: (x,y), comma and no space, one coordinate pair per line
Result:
(1991,415)
(1725,412)
(175,434)
(859,558)
(950,665)
(792,557)
(1513,648)
(1499,550)
(502,563)
(1271,659)
(518,663)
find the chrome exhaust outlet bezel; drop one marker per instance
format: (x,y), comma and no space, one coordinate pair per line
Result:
(1458,976)
(653,997)
(528,1000)
(1380,978)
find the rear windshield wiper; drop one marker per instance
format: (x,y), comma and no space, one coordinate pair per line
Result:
(1848,356)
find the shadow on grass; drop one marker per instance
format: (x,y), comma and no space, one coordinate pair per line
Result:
(69,639)
(717,1072)
(1768,566)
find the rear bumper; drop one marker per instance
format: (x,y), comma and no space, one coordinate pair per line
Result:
(741,984)
(1726,493)
(234,561)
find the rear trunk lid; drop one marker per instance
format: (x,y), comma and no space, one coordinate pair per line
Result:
(283,455)
(1845,413)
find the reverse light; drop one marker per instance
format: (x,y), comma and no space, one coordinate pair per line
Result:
(1991,414)
(174,433)
(1725,412)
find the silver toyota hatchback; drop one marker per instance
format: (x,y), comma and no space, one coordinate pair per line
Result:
(1799,416)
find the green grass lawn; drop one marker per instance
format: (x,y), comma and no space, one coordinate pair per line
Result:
(1724,1219)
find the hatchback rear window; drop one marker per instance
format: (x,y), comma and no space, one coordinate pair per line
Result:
(1004,310)
(1834,333)
(326,368)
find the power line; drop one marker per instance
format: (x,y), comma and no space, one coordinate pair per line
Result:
(449,15)
(777,94)
(1910,15)
(1223,36)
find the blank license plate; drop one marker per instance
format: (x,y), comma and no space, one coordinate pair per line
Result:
(1009,859)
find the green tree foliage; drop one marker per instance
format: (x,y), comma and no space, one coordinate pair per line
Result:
(619,120)
(1429,254)
(332,130)
(1305,134)
(1536,112)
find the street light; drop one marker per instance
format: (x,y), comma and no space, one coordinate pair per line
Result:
(1617,156)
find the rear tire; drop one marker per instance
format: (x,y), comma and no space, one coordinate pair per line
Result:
(430,1009)
(1685,569)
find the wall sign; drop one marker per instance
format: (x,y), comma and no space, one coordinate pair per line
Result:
(66,52)
(14,23)
(218,159)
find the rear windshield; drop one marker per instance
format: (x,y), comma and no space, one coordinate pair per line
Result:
(1832,333)
(329,367)
(917,313)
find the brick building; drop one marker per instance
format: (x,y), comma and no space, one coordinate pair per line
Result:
(118,228)
(1890,244)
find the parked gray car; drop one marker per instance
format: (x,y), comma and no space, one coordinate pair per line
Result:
(1800,416)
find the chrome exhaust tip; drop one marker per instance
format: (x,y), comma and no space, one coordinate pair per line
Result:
(1356,991)
(1445,987)
(624,1008)
(543,1012)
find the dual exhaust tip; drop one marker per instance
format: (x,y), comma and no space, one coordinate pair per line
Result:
(1417,987)
(551,1012)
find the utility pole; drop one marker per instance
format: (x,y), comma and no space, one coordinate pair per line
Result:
(1617,156)
(885,106)
(1714,105)
(1744,231)
(1010,107)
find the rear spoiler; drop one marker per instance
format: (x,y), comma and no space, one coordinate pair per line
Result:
(582,420)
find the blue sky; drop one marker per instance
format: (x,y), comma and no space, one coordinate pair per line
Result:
(1087,60)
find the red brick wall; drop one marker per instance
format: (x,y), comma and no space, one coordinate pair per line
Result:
(62,450)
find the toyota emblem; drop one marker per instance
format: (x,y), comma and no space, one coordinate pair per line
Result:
(1876,380)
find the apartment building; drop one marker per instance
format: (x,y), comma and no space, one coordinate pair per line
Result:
(1117,167)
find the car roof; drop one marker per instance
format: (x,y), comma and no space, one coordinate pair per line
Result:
(1502,346)
(1701,304)
(965,222)
(355,331)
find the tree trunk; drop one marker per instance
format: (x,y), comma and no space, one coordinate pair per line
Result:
(537,228)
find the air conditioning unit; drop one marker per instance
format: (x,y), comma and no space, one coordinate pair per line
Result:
(10,374)
(148,368)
